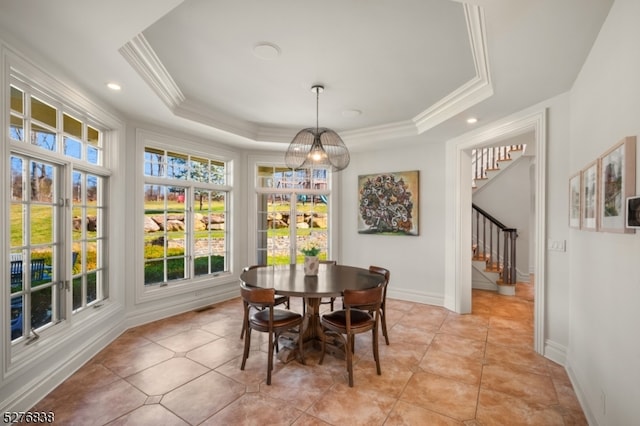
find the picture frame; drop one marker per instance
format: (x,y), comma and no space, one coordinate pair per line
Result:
(575,201)
(633,212)
(589,197)
(616,183)
(388,203)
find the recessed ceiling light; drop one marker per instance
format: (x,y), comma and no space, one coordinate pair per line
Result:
(472,120)
(266,51)
(349,113)
(114,86)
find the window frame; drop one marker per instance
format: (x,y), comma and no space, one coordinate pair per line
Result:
(195,284)
(17,358)
(255,161)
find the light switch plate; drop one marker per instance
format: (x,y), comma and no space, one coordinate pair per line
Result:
(557,245)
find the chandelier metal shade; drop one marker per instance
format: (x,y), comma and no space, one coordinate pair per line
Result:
(317,148)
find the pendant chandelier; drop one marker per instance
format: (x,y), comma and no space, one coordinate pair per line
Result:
(317,148)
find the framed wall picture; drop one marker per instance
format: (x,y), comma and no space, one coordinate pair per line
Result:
(617,182)
(633,212)
(388,203)
(574,201)
(589,197)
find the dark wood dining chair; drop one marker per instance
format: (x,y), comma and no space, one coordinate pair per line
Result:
(383,313)
(267,319)
(331,300)
(279,301)
(352,320)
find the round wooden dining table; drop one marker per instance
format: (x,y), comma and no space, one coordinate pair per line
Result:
(331,281)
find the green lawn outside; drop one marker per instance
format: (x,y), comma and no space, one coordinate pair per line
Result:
(42,223)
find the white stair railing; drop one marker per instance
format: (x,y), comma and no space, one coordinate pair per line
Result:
(487,159)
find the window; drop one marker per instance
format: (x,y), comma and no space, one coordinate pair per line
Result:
(34,247)
(293,209)
(89,239)
(50,146)
(186,216)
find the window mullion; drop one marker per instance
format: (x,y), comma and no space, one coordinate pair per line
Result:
(190,231)
(64,218)
(293,227)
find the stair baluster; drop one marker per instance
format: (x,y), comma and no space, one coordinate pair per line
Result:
(489,158)
(505,261)
(484,237)
(491,244)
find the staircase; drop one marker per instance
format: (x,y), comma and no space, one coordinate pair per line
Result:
(494,244)
(493,254)
(484,276)
(486,163)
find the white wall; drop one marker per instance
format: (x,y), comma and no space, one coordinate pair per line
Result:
(604,347)
(416,262)
(556,300)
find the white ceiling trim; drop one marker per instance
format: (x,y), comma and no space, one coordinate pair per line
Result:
(369,134)
(21,68)
(276,134)
(397,130)
(475,90)
(141,56)
(201,114)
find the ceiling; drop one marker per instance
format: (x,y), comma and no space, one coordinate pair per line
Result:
(392,71)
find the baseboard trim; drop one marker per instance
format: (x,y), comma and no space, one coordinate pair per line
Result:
(555,352)
(581,395)
(169,309)
(477,285)
(414,296)
(523,278)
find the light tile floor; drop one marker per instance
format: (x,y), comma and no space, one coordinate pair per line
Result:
(440,369)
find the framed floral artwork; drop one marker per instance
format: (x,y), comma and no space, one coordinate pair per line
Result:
(388,203)
(574,201)
(589,197)
(617,182)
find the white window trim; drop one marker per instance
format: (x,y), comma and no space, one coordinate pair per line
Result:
(333,181)
(19,362)
(196,285)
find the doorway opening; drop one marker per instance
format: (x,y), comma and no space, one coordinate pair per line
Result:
(458,207)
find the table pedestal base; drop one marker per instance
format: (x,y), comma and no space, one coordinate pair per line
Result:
(312,335)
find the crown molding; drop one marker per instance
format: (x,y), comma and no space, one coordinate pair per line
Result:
(370,134)
(475,90)
(141,56)
(276,134)
(19,67)
(397,130)
(199,113)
